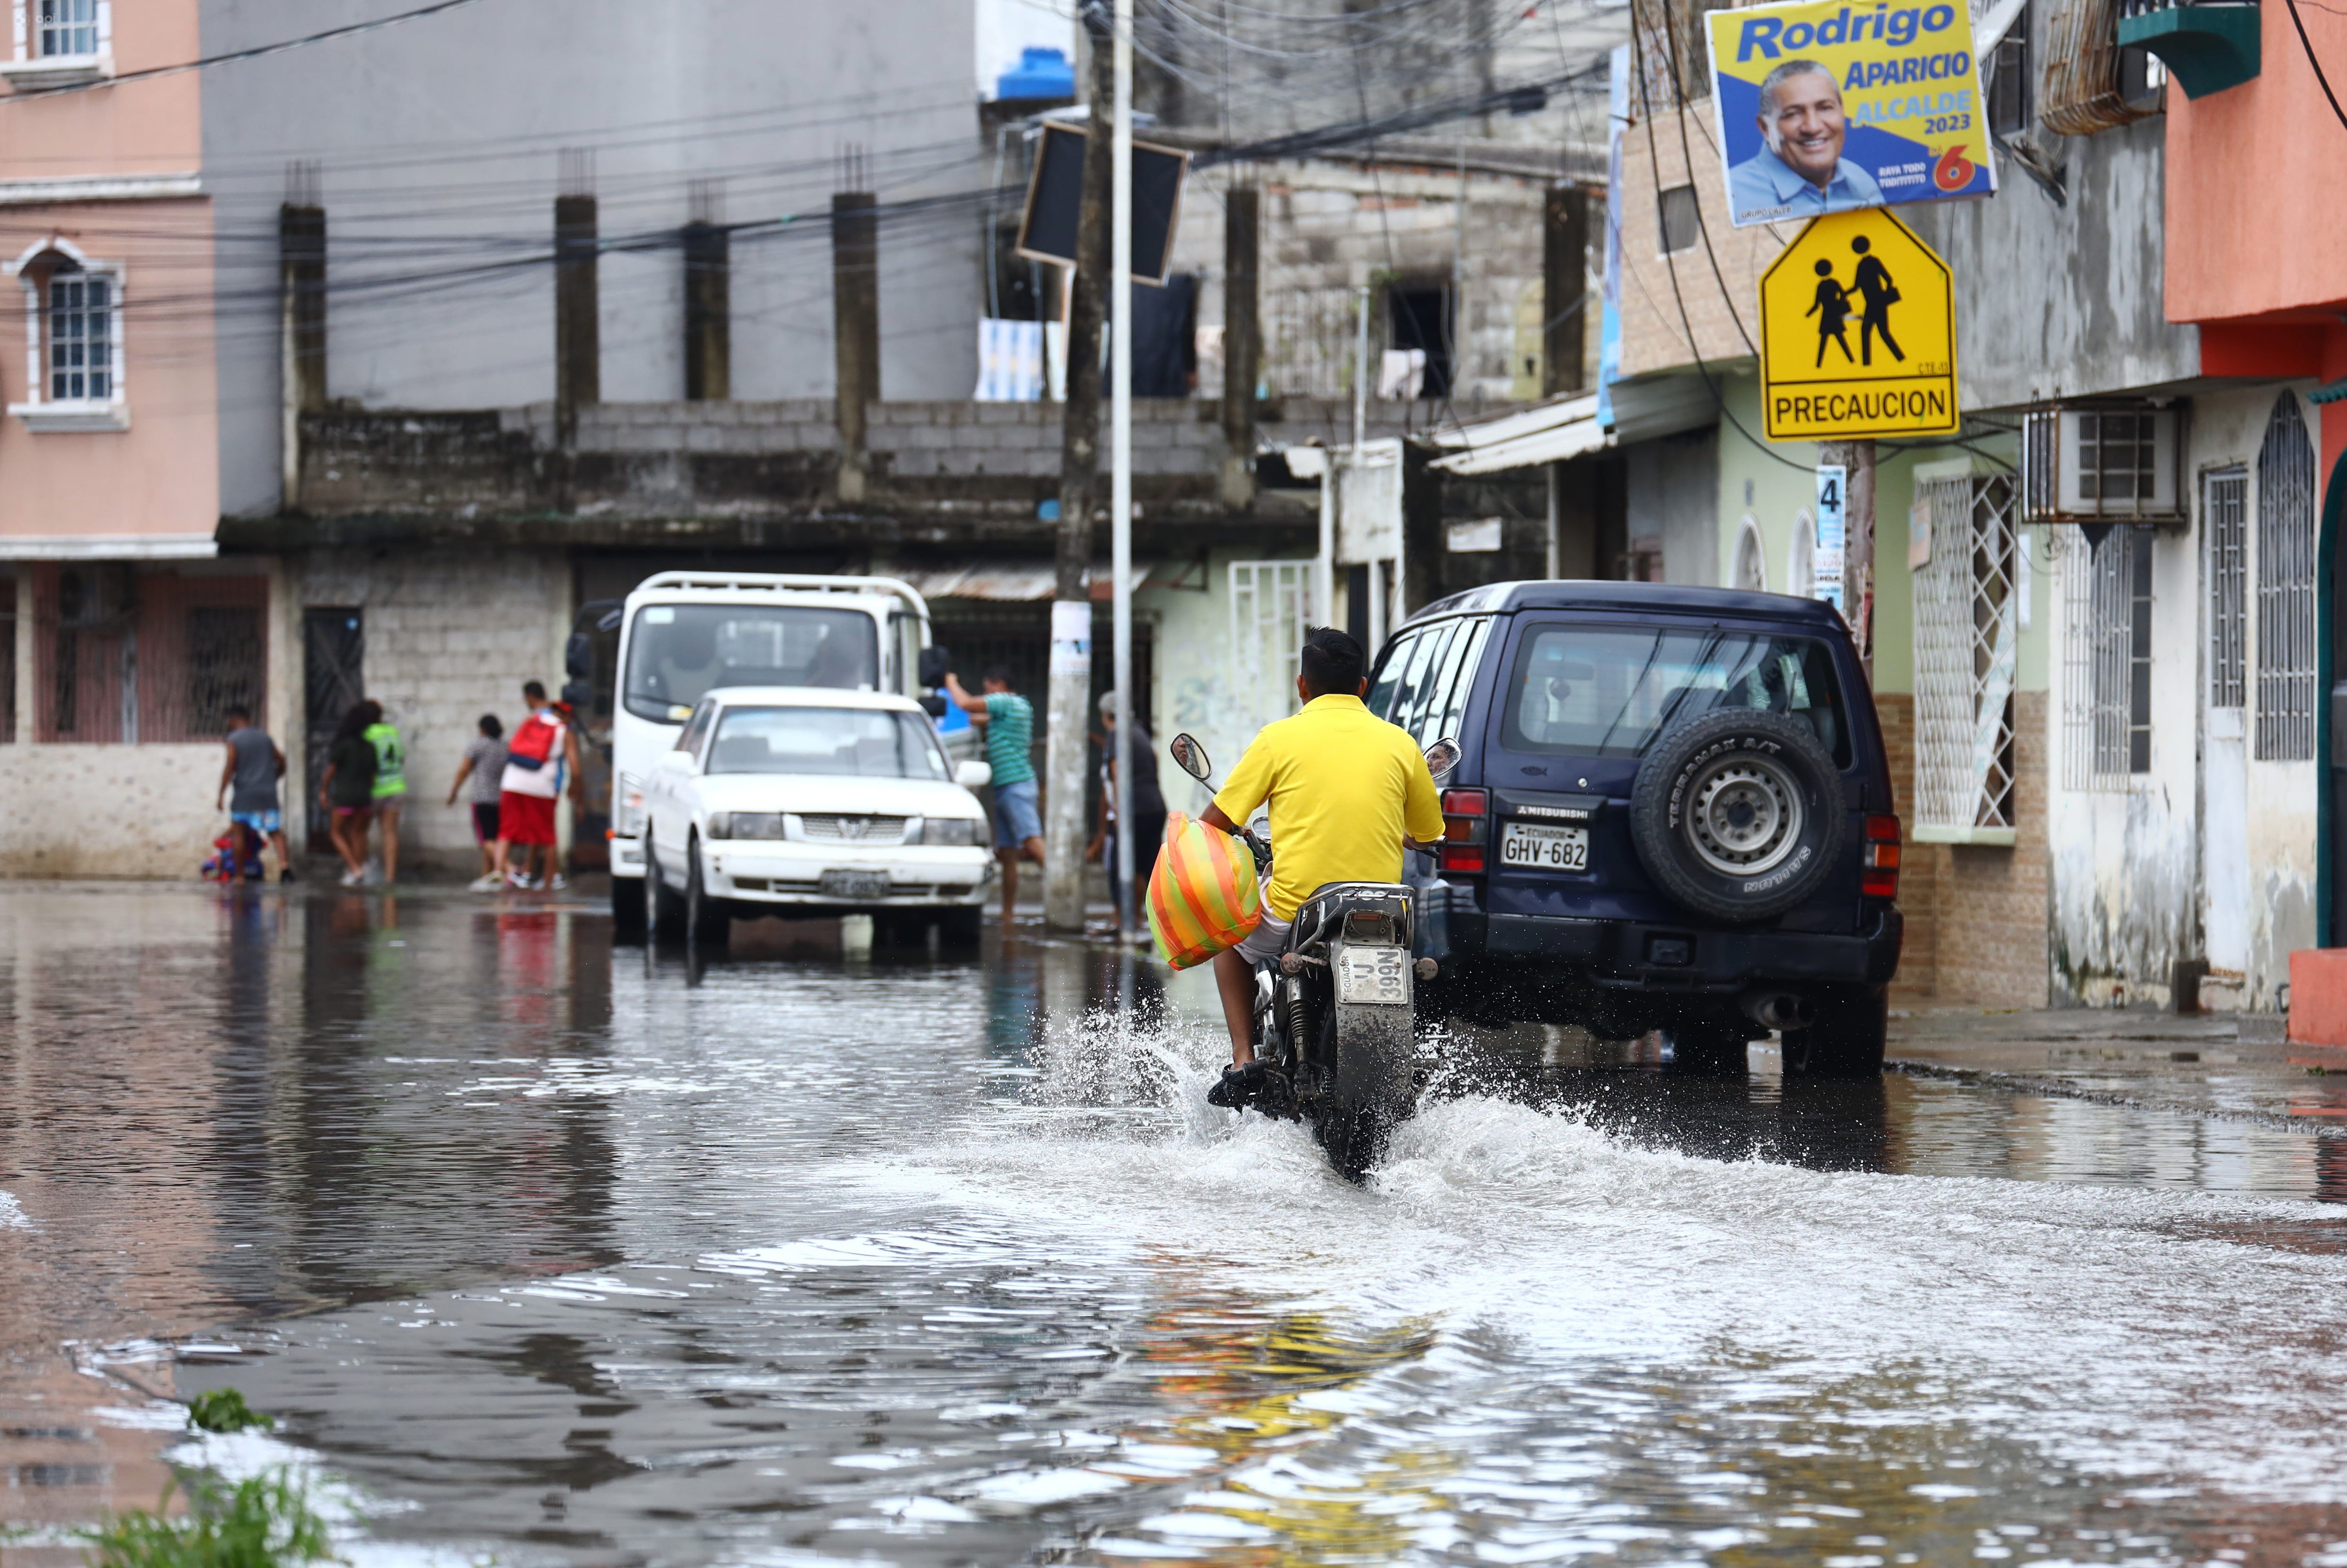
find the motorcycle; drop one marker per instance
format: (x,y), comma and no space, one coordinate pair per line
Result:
(1333,1010)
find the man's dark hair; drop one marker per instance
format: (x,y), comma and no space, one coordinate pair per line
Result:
(534,688)
(238,710)
(997,672)
(1332,663)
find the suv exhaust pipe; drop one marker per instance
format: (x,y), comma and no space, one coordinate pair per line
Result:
(1777,1010)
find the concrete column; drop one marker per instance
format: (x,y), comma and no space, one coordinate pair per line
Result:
(27,718)
(302,266)
(1564,276)
(855,330)
(286,709)
(1242,339)
(577,326)
(1857,459)
(707,312)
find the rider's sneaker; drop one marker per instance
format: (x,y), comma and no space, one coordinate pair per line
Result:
(1239,1086)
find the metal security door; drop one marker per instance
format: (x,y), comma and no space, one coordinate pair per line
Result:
(2224,732)
(333,651)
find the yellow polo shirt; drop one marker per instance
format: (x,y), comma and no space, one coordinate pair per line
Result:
(1344,786)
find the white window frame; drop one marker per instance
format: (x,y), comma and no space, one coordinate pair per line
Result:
(27,69)
(1271,610)
(1749,567)
(2289,513)
(39,411)
(1801,557)
(2102,661)
(1967,642)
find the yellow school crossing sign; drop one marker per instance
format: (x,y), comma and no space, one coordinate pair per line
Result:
(1857,333)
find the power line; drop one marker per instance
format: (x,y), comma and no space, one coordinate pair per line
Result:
(254,53)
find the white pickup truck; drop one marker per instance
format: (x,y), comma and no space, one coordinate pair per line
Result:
(684,634)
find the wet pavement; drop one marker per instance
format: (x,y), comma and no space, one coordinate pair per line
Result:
(557,1255)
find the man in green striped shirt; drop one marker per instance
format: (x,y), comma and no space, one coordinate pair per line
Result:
(1010,721)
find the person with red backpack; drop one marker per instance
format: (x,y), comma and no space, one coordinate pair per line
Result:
(543,754)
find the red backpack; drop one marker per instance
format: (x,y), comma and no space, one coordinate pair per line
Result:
(533,743)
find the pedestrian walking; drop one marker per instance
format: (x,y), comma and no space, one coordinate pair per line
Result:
(249,787)
(1148,803)
(390,787)
(485,766)
(1010,721)
(543,754)
(347,789)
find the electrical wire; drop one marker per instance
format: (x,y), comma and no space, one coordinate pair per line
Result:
(254,53)
(2308,45)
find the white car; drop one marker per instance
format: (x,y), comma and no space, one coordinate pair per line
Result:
(799,801)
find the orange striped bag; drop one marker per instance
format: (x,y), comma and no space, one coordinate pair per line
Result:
(1203,898)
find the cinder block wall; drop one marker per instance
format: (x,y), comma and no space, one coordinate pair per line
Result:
(109,810)
(1976,915)
(449,636)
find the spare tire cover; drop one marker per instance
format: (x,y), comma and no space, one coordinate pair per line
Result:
(1738,814)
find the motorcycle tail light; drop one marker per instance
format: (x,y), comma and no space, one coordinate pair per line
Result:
(1466,829)
(1878,873)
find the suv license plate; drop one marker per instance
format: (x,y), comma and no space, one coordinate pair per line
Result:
(1545,848)
(860,887)
(1377,975)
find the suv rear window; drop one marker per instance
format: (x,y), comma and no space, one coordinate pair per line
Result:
(1610,691)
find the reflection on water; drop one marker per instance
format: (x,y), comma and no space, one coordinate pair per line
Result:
(796,1258)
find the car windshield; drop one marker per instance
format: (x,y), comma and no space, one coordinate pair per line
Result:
(678,652)
(1609,691)
(853,743)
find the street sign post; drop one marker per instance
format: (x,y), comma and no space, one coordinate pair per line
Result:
(1857,333)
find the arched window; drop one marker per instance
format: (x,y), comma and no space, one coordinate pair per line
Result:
(1751,559)
(2285,586)
(1801,557)
(73,340)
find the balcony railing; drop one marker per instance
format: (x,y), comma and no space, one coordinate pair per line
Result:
(2207,48)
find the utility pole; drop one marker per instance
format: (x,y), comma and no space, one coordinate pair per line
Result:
(1067,733)
(1119,506)
(1857,459)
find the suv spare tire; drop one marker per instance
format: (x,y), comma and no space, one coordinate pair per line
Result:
(1738,814)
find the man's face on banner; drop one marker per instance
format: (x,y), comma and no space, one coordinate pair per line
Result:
(1804,125)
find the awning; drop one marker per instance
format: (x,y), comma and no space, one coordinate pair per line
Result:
(1025,583)
(1549,434)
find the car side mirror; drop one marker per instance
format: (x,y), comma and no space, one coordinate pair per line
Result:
(1441,757)
(579,656)
(680,760)
(973,774)
(1190,756)
(934,662)
(932,704)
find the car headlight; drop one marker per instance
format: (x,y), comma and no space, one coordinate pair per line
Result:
(960,832)
(741,824)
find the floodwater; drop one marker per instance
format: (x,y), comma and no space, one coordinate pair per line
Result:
(553,1255)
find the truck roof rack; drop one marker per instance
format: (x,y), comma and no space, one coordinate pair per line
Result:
(794,582)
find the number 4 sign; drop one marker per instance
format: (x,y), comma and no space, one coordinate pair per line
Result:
(1826,571)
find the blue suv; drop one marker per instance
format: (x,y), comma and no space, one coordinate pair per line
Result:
(1672,812)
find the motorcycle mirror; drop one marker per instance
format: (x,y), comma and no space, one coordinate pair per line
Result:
(1441,757)
(1190,756)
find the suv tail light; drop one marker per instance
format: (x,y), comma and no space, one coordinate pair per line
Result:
(1466,828)
(1879,875)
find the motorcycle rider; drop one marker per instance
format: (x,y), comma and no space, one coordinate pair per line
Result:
(1347,792)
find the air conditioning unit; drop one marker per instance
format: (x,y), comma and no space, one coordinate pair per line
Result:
(2105,461)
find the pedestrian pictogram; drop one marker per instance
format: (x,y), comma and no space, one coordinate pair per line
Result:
(1857,333)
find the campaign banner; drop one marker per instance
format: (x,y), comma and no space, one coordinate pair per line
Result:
(1827,106)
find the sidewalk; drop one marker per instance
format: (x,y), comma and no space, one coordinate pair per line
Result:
(2232,1065)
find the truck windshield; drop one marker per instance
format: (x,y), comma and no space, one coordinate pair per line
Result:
(856,743)
(1609,691)
(678,652)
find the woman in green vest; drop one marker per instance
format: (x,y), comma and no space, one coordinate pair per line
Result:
(390,785)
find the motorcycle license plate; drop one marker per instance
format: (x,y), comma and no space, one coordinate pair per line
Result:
(1544,848)
(1377,975)
(857,886)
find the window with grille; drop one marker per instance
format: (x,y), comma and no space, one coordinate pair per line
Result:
(1271,609)
(2106,655)
(65,28)
(1967,601)
(2285,730)
(2225,528)
(81,336)
(123,658)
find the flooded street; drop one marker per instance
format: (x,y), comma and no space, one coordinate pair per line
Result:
(557,1254)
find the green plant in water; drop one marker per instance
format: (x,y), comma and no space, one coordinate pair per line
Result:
(264,1522)
(224,1411)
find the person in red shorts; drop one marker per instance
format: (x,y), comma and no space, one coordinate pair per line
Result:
(542,755)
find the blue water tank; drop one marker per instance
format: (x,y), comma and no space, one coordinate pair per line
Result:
(1039,74)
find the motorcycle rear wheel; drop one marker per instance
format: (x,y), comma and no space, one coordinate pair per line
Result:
(1353,1136)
